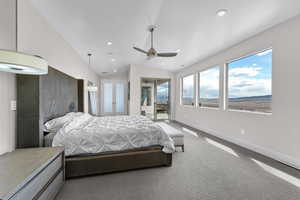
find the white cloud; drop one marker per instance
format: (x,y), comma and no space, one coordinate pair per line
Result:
(209,83)
(245,87)
(245,71)
(188,81)
(264,52)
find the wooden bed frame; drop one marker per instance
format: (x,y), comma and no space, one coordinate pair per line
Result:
(79,166)
(57,94)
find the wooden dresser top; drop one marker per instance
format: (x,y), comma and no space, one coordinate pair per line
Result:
(20,166)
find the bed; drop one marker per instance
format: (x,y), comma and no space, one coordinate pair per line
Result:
(42,99)
(97,145)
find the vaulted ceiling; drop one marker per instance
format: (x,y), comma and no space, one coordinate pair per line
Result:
(190,26)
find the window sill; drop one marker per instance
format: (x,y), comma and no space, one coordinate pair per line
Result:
(188,106)
(208,108)
(249,112)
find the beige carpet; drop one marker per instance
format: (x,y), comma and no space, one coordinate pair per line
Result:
(204,171)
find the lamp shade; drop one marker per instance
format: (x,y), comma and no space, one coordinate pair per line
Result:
(20,63)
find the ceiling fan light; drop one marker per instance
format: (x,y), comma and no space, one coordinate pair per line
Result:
(222,12)
(20,63)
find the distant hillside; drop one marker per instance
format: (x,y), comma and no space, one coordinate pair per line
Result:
(253,98)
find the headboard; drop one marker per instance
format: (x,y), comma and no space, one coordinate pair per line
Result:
(42,98)
(58,95)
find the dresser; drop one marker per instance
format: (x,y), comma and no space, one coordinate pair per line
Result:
(33,173)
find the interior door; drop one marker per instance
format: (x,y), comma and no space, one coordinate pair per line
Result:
(120,103)
(107,96)
(114,97)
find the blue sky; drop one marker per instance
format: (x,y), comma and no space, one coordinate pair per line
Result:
(251,76)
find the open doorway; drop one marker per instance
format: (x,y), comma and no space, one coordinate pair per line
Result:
(155,98)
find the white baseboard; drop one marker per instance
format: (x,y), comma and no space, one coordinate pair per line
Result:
(283,158)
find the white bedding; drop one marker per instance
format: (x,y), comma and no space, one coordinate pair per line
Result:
(87,134)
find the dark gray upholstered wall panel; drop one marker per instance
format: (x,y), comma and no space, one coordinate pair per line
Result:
(58,95)
(40,99)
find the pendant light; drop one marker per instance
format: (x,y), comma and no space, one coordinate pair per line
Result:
(91,88)
(21,63)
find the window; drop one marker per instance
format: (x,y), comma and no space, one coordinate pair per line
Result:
(250,83)
(188,96)
(209,93)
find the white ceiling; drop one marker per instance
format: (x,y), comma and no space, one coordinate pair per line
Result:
(189,25)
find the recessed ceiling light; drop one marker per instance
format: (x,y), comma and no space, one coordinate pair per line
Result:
(113,60)
(222,12)
(115,70)
(178,50)
(109,43)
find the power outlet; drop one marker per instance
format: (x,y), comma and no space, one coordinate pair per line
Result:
(13,105)
(243,131)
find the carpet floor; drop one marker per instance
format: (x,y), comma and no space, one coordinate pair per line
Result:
(209,169)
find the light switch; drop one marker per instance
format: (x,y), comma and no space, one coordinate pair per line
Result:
(13,105)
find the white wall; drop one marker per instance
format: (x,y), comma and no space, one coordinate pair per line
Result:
(136,73)
(37,37)
(275,135)
(7,80)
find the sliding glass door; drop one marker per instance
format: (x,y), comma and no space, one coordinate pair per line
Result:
(162,100)
(155,98)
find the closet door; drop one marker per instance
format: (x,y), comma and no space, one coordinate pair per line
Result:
(107,94)
(114,97)
(120,97)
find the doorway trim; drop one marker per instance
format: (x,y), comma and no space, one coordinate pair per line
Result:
(155,95)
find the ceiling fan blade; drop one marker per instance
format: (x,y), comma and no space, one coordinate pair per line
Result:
(167,54)
(140,50)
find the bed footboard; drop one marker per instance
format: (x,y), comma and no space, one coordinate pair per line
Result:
(117,162)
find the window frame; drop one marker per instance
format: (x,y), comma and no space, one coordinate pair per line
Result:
(220,87)
(194,88)
(226,84)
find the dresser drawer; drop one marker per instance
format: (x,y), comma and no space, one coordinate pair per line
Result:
(35,185)
(53,189)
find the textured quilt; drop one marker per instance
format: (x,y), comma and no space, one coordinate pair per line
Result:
(87,134)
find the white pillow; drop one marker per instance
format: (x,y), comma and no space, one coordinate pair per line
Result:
(57,123)
(77,122)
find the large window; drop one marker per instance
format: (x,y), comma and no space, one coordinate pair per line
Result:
(209,81)
(188,96)
(250,83)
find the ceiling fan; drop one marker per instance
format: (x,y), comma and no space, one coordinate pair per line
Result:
(152,52)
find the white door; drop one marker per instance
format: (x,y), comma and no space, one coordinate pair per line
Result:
(113,97)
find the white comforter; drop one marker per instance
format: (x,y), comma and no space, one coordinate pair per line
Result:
(87,134)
